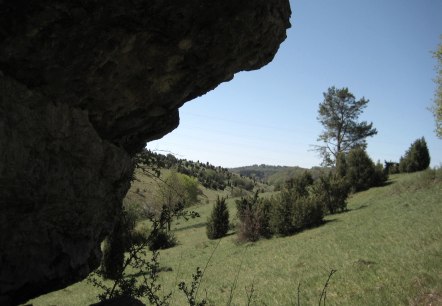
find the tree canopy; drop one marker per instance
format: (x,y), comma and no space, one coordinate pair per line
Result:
(338,113)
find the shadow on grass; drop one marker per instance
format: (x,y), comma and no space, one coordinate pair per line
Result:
(329,221)
(196,225)
(358,208)
(139,273)
(230,233)
(388,183)
(324,222)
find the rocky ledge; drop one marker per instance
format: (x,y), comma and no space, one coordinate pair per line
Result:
(83,86)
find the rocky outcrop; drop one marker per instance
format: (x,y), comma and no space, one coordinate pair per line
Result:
(83,86)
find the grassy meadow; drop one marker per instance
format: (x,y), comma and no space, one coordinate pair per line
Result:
(387,250)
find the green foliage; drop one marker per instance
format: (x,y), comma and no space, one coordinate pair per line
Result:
(140,234)
(354,172)
(191,190)
(297,207)
(242,182)
(282,212)
(279,178)
(391,167)
(149,163)
(380,175)
(307,212)
(338,114)
(129,285)
(161,236)
(416,158)
(160,239)
(128,220)
(360,170)
(300,183)
(254,218)
(178,188)
(437,106)
(207,174)
(341,165)
(192,291)
(174,193)
(292,212)
(218,222)
(332,191)
(263,173)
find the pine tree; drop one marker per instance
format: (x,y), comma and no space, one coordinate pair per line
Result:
(338,114)
(218,222)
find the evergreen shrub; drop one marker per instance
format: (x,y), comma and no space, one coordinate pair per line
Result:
(416,158)
(218,222)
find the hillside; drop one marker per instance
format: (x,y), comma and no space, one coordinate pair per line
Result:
(262,172)
(386,250)
(275,175)
(211,181)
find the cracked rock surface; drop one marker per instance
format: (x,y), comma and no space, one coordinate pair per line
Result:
(83,86)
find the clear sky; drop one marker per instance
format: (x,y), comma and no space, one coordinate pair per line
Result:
(379,49)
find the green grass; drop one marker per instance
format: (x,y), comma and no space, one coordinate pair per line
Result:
(387,250)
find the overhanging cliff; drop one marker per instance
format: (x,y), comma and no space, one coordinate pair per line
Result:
(83,86)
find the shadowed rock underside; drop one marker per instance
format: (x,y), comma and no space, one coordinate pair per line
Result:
(83,86)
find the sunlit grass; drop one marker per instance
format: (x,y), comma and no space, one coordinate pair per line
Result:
(387,250)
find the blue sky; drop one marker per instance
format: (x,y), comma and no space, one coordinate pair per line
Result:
(380,50)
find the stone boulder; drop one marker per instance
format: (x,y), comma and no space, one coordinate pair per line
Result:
(83,86)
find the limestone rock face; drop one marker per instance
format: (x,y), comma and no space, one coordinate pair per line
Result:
(83,86)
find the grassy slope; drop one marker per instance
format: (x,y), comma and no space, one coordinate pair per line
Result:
(387,250)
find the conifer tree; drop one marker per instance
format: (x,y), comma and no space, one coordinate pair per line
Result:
(416,158)
(218,222)
(338,114)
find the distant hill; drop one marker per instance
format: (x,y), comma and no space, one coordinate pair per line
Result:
(210,177)
(218,178)
(275,175)
(262,172)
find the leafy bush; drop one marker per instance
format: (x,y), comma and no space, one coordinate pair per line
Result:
(380,175)
(254,218)
(300,183)
(282,211)
(332,191)
(391,167)
(218,222)
(307,212)
(263,212)
(360,170)
(249,227)
(160,239)
(341,165)
(140,234)
(292,212)
(416,158)
(128,285)
(242,182)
